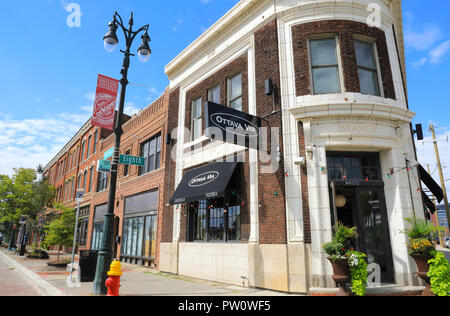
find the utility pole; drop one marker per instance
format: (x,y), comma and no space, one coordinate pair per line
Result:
(441,175)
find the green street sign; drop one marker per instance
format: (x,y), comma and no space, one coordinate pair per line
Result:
(132,160)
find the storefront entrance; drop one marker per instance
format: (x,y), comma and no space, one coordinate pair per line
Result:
(357,199)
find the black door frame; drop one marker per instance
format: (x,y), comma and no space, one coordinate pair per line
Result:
(362,185)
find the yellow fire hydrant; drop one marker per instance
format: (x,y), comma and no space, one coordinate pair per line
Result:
(113,282)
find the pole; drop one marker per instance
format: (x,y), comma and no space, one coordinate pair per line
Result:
(410,191)
(105,253)
(74,241)
(441,175)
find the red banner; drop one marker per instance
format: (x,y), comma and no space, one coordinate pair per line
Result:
(105,102)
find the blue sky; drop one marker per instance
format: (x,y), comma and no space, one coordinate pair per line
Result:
(49,70)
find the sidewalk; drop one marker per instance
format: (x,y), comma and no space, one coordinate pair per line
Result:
(136,281)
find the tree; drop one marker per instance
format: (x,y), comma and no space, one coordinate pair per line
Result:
(60,231)
(24,194)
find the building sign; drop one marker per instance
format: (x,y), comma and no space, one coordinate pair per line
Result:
(232,126)
(105,102)
(131,160)
(104,166)
(204,179)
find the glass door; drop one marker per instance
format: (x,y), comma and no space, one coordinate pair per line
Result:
(373,229)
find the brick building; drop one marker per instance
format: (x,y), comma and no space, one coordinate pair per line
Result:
(139,196)
(340,145)
(330,92)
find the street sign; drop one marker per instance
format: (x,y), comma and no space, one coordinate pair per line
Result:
(79,196)
(104,166)
(132,160)
(108,154)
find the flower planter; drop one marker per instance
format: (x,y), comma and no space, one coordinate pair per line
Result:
(423,267)
(341,275)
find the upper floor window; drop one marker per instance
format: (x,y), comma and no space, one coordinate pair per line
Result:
(151,151)
(235,92)
(367,68)
(214,94)
(126,168)
(324,65)
(83,150)
(95,142)
(196,119)
(91,178)
(88,147)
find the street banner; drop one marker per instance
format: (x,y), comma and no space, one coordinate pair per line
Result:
(105,102)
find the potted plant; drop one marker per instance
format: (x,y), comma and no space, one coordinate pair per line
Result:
(421,248)
(338,254)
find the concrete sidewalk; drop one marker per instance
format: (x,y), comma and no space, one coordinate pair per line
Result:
(136,281)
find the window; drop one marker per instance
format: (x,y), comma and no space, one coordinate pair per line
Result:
(82,150)
(324,65)
(84,181)
(196,118)
(97,231)
(367,68)
(83,225)
(348,166)
(80,178)
(210,220)
(91,178)
(88,147)
(95,142)
(214,95)
(126,168)
(102,181)
(235,92)
(151,151)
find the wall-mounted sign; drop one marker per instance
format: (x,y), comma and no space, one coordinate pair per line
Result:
(233,126)
(104,166)
(132,160)
(105,102)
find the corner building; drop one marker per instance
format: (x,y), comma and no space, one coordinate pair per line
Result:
(340,104)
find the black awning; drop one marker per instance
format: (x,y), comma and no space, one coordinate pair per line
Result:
(208,182)
(428,203)
(431,184)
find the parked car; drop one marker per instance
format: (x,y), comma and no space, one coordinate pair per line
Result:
(447,242)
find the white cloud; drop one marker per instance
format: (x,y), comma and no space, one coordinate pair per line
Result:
(424,38)
(90,96)
(438,53)
(29,142)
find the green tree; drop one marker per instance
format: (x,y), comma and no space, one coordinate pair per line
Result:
(61,230)
(24,194)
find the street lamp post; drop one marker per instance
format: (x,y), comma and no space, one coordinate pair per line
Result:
(110,42)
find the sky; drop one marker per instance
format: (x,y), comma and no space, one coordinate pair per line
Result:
(49,69)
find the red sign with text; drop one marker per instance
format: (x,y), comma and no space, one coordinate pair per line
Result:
(105,102)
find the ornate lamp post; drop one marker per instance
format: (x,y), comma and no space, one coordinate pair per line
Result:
(144,52)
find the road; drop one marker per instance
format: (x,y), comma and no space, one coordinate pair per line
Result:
(13,284)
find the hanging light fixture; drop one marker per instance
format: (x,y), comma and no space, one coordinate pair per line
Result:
(341,200)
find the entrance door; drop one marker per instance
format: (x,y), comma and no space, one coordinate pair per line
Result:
(365,208)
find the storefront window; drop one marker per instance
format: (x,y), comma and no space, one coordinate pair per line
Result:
(139,228)
(211,220)
(97,232)
(83,225)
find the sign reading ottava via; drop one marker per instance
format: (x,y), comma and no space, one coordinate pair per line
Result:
(232,126)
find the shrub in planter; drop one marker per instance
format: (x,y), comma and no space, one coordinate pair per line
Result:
(338,251)
(439,274)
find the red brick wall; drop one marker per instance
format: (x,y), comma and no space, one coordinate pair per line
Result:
(272,211)
(345,30)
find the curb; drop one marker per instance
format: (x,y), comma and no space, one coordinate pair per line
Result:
(46,288)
